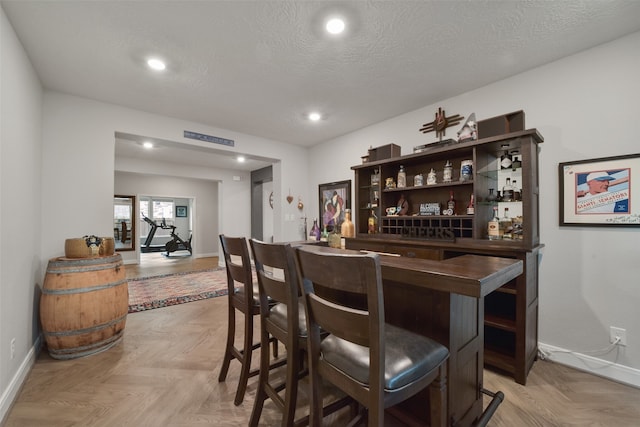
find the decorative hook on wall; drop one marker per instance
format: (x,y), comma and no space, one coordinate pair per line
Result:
(289,197)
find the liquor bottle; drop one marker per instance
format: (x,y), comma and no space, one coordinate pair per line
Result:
(507,191)
(451,204)
(324,236)
(506,160)
(347,229)
(506,226)
(517,162)
(375,202)
(402,178)
(493,227)
(447,175)
(314,234)
(335,238)
(372,223)
(471,209)
(517,196)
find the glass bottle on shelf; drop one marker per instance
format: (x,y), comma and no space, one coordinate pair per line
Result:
(375,178)
(372,223)
(375,202)
(507,191)
(493,226)
(448,172)
(314,234)
(516,191)
(402,178)
(506,160)
(471,209)
(506,226)
(517,162)
(492,197)
(325,235)
(451,204)
(347,229)
(335,237)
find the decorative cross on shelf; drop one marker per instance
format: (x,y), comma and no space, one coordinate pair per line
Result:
(441,123)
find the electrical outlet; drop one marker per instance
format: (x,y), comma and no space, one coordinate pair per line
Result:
(618,333)
(13,348)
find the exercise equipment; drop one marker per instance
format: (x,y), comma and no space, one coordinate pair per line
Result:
(176,242)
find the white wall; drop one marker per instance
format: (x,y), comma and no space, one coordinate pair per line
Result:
(20,212)
(205,193)
(585,106)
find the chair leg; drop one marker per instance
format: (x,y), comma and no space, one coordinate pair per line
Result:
(291,391)
(246,358)
(263,380)
(228,353)
(438,398)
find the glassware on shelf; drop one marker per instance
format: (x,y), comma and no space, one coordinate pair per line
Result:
(466,170)
(402,178)
(372,223)
(493,226)
(347,229)
(431,177)
(448,172)
(471,206)
(506,226)
(506,160)
(418,180)
(314,234)
(507,191)
(492,197)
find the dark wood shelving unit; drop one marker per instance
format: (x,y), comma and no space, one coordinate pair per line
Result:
(511,312)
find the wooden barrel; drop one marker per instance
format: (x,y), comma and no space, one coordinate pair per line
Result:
(84,305)
(89,246)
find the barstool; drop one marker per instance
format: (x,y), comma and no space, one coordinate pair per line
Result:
(377,364)
(243,297)
(285,321)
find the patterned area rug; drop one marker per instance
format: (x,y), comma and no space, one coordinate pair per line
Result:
(162,291)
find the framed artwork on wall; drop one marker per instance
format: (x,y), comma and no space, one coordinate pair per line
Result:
(600,192)
(334,198)
(181,211)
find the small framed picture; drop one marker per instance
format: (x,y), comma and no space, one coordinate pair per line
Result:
(181,211)
(600,192)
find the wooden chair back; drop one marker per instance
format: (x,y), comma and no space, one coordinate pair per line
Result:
(239,274)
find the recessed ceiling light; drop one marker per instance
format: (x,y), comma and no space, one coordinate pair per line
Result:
(240,159)
(314,117)
(156,64)
(335,26)
(147,144)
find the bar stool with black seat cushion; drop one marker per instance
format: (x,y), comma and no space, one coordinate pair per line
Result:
(242,297)
(377,364)
(285,321)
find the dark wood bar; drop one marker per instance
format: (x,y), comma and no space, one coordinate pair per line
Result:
(444,300)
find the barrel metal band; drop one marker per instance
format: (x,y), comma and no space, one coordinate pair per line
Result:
(74,353)
(85,330)
(100,267)
(82,290)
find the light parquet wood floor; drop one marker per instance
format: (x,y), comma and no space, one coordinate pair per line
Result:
(164,373)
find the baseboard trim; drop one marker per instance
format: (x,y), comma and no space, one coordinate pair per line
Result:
(602,368)
(11,392)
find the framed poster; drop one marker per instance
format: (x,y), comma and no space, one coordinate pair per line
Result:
(334,198)
(600,192)
(181,211)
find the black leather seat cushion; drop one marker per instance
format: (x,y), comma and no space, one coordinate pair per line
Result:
(279,317)
(408,357)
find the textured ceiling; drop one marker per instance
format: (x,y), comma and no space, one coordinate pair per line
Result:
(258,67)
